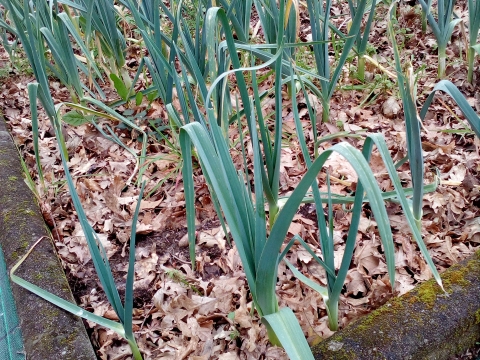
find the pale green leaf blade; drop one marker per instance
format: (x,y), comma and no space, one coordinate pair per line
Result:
(289,333)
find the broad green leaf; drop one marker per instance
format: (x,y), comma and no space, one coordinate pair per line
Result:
(138,98)
(74,118)
(119,86)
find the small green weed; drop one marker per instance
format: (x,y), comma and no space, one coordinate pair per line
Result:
(180,278)
(234,334)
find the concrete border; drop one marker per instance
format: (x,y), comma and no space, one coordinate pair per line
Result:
(48,331)
(425,323)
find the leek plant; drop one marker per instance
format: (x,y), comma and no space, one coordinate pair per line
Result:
(259,245)
(66,66)
(273,19)
(280,24)
(52,27)
(56,27)
(239,13)
(147,19)
(442,27)
(98,21)
(319,21)
(424,16)
(269,17)
(165,49)
(245,215)
(362,36)
(40,90)
(473,27)
(9,46)
(271,143)
(191,52)
(407,88)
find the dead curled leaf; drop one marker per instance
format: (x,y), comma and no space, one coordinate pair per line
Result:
(391,107)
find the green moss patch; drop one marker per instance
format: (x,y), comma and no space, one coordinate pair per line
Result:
(477,317)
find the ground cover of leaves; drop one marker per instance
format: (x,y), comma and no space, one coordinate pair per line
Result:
(207,313)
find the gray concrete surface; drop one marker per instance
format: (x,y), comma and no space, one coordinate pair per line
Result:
(48,331)
(424,324)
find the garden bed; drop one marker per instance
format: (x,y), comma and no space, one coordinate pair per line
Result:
(208,312)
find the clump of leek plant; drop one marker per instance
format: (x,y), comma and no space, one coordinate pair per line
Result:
(97,19)
(442,28)
(33,45)
(55,27)
(259,245)
(362,36)
(407,89)
(163,49)
(320,24)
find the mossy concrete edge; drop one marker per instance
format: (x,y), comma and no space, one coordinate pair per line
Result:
(48,331)
(426,323)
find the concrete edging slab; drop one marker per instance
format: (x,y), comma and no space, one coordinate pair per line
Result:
(48,331)
(425,323)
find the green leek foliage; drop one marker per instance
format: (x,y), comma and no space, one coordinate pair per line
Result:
(442,28)
(320,24)
(406,85)
(362,36)
(244,209)
(473,27)
(32,44)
